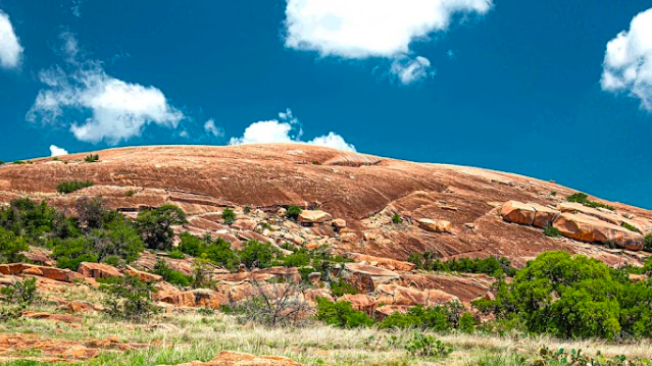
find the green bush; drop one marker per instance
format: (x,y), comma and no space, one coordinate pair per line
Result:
(490,266)
(647,246)
(629,227)
(425,345)
(584,199)
(155,225)
(20,292)
(10,246)
(70,253)
(177,278)
(72,186)
(128,298)
(341,314)
(219,251)
(228,215)
(467,323)
(340,287)
(551,231)
(434,318)
(293,212)
(92,158)
(397,219)
(255,254)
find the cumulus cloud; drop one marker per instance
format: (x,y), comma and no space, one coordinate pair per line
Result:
(409,71)
(286,129)
(363,29)
(212,129)
(627,63)
(10,49)
(57,151)
(96,106)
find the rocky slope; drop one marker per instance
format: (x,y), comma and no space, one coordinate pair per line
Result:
(363,191)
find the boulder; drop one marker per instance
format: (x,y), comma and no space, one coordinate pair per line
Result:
(436,226)
(386,263)
(227,358)
(339,223)
(143,276)
(528,213)
(195,298)
(360,302)
(400,295)
(98,270)
(466,287)
(57,274)
(387,310)
(314,217)
(574,207)
(365,277)
(63,318)
(592,230)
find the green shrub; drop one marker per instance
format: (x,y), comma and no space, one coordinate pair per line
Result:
(434,318)
(155,225)
(397,219)
(72,186)
(228,215)
(293,212)
(647,246)
(71,252)
(255,254)
(92,158)
(219,251)
(341,314)
(584,199)
(629,227)
(131,193)
(20,292)
(10,247)
(425,345)
(177,278)
(128,298)
(340,287)
(551,231)
(2,162)
(19,162)
(466,323)
(490,266)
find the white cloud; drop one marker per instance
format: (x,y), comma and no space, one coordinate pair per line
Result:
(212,129)
(628,61)
(96,106)
(360,29)
(409,71)
(10,49)
(57,151)
(287,129)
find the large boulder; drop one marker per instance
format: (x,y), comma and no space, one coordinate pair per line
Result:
(399,295)
(593,230)
(143,276)
(365,277)
(386,263)
(466,287)
(98,270)
(196,298)
(57,274)
(227,358)
(436,226)
(528,214)
(314,217)
(360,302)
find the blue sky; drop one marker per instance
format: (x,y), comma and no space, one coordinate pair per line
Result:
(526,87)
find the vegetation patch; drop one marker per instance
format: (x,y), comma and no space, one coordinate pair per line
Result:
(584,199)
(72,186)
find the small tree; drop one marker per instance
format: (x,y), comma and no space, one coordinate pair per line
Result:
(11,246)
(21,292)
(129,298)
(255,254)
(91,211)
(155,225)
(228,215)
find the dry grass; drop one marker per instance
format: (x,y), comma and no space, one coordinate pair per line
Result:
(187,336)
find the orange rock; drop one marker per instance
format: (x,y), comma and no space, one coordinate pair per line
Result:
(34,271)
(195,298)
(143,276)
(64,318)
(399,295)
(314,217)
(366,278)
(590,229)
(528,214)
(227,358)
(386,263)
(360,302)
(57,274)
(436,226)
(98,270)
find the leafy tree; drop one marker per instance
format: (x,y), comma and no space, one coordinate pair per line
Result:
(91,211)
(155,225)
(129,298)
(69,253)
(10,246)
(219,251)
(255,254)
(21,292)
(228,215)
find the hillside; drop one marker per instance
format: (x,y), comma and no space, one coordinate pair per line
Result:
(279,235)
(364,190)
